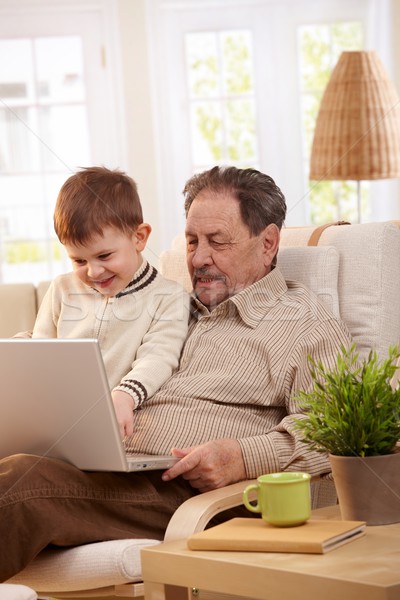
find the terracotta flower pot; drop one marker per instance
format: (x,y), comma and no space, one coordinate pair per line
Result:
(368,488)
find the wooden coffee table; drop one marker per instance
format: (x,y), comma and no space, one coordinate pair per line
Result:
(365,569)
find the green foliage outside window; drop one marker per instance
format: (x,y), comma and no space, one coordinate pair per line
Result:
(221,92)
(237,62)
(27,251)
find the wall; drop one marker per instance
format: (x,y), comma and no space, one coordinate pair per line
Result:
(141,160)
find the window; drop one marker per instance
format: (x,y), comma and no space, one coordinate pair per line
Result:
(219,72)
(319,49)
(57,114)
(44,135)
(284,51)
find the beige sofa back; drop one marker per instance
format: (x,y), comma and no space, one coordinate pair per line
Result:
(19,303)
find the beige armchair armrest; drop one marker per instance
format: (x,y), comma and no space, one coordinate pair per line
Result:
(194,514)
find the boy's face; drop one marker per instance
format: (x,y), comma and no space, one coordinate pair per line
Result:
(109,261)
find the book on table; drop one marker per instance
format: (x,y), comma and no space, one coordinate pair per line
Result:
(316,536)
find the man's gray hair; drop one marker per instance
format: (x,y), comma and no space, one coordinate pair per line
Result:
(261,200)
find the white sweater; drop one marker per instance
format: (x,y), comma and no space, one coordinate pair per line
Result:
(141,330)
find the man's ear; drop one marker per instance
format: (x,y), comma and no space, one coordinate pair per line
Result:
(271,238)
(141,235)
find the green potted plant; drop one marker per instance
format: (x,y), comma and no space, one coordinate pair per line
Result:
(353,414)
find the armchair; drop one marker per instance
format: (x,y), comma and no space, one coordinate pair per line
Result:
(16,592)
(353,268)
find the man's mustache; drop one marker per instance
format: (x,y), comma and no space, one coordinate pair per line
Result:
(205,273)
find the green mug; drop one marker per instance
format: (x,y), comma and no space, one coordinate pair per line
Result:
(283,499)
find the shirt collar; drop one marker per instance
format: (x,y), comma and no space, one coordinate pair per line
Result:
(253,302)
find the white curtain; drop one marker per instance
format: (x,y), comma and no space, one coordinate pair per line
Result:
(382,36)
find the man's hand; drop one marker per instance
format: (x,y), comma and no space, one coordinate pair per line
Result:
(209,466)
(123,405)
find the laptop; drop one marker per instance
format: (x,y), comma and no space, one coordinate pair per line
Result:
(56,402)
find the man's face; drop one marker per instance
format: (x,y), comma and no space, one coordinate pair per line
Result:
(222,256)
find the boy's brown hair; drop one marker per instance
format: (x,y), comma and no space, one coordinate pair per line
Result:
(95,198)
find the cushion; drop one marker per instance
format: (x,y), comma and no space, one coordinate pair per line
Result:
(18,308)
(173,263)
(369,279)
(84,567)
(16,592)
(317,268)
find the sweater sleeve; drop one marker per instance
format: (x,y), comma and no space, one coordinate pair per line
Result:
(46,324)
(158,354)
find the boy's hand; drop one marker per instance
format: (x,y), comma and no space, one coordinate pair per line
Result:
(123,405)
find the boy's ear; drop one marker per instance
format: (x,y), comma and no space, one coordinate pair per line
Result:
(141,235)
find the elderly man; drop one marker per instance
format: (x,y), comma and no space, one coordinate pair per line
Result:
(228,411)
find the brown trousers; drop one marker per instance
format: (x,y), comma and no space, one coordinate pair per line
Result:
(45,501)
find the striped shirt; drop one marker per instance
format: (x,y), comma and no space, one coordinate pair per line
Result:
(240,368)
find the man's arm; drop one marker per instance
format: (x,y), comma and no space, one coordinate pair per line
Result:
(222,462)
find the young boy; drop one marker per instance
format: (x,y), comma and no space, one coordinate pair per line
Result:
(113,293)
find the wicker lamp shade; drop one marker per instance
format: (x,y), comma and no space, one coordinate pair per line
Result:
(357,134)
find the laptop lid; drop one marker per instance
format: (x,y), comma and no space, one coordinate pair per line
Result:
(56,402)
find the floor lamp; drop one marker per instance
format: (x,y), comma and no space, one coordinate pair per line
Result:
(357,133)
